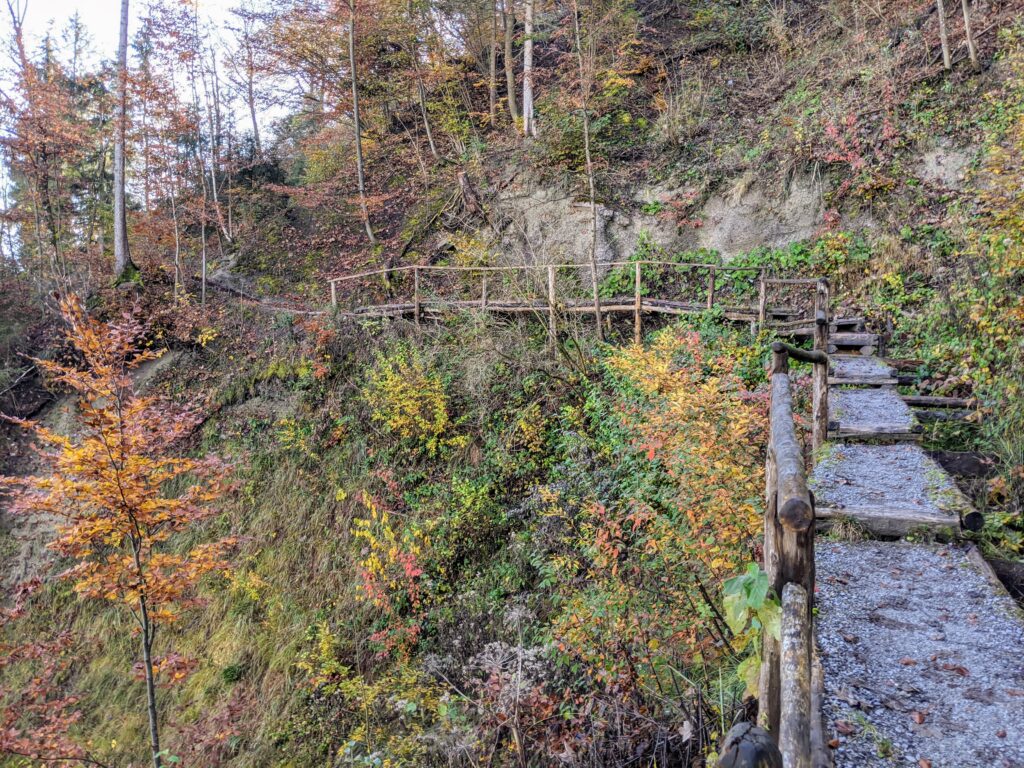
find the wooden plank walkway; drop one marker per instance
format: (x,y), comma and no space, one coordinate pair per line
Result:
(922,651)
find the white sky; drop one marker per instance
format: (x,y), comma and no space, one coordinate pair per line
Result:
(101,18)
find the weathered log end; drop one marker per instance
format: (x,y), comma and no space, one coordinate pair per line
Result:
(796,515)
(748,746)
(973,521)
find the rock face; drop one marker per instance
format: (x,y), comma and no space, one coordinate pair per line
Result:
(546,225)
(542,224)
(749,216)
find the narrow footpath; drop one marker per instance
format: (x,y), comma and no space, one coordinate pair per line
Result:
(921,647)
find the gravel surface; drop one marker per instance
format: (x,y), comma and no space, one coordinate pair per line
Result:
(923,658)
(899,475)
(879,409)
(860,367)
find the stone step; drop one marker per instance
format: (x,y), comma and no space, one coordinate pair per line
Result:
(890,490)
(870,414)
(852,340)
(859,370)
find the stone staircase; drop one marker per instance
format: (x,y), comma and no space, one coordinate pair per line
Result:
(922,650)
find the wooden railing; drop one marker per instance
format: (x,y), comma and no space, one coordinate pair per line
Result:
(790,685)
(548,290)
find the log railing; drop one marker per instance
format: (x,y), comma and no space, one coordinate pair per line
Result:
(748,293)
(789,693)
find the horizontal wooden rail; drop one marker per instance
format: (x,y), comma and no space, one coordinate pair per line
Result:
(512,268)
(803,355)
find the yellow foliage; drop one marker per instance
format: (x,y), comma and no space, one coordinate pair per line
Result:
(409,401)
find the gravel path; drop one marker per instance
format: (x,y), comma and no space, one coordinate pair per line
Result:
(860,367)
(878,410)
(923,658)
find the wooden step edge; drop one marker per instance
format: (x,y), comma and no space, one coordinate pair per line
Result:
(882,438)
(890,520)
(867,381)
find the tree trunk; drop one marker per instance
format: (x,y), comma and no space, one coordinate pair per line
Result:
(493,69)
(972,49)
(947,59)
(529,129)
(509,19)
(250,94)
(124,268)
(585,76)
(357,125)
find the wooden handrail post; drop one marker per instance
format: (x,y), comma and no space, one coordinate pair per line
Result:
(768,684)
(711,288)
(416,295)
(820,396)
(334,294)
(637,305)
(762,301)
(552,333)
(483,291)
(795,665)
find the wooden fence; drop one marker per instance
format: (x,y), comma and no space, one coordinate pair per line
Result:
(791,733)
(553,290)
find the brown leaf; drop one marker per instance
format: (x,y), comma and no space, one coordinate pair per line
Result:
(962,671)
(917,717)
(906,661)
(833,743)
(845,727)
(1001,733)
(924,763)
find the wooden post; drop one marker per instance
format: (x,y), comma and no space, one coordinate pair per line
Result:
(711,288)
(416,294)
(762,301)
(820,405)
(483,291)
(552,333)
(334,294)
(637,305)
(795,664)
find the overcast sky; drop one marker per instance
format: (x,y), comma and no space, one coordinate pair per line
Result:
(100,18)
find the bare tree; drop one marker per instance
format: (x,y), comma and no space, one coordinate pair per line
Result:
(947,59)
(243,68)
(357,126)
(529,128)
(972,49)
(124,267)
(587,61)
(493,68)
(508,18)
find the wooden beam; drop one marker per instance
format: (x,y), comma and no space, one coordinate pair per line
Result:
(637,305)
(795,674)
(552,333)
(768,682)
(889,520)
(416,294)
(762,301)
(815,356)
(927,401)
